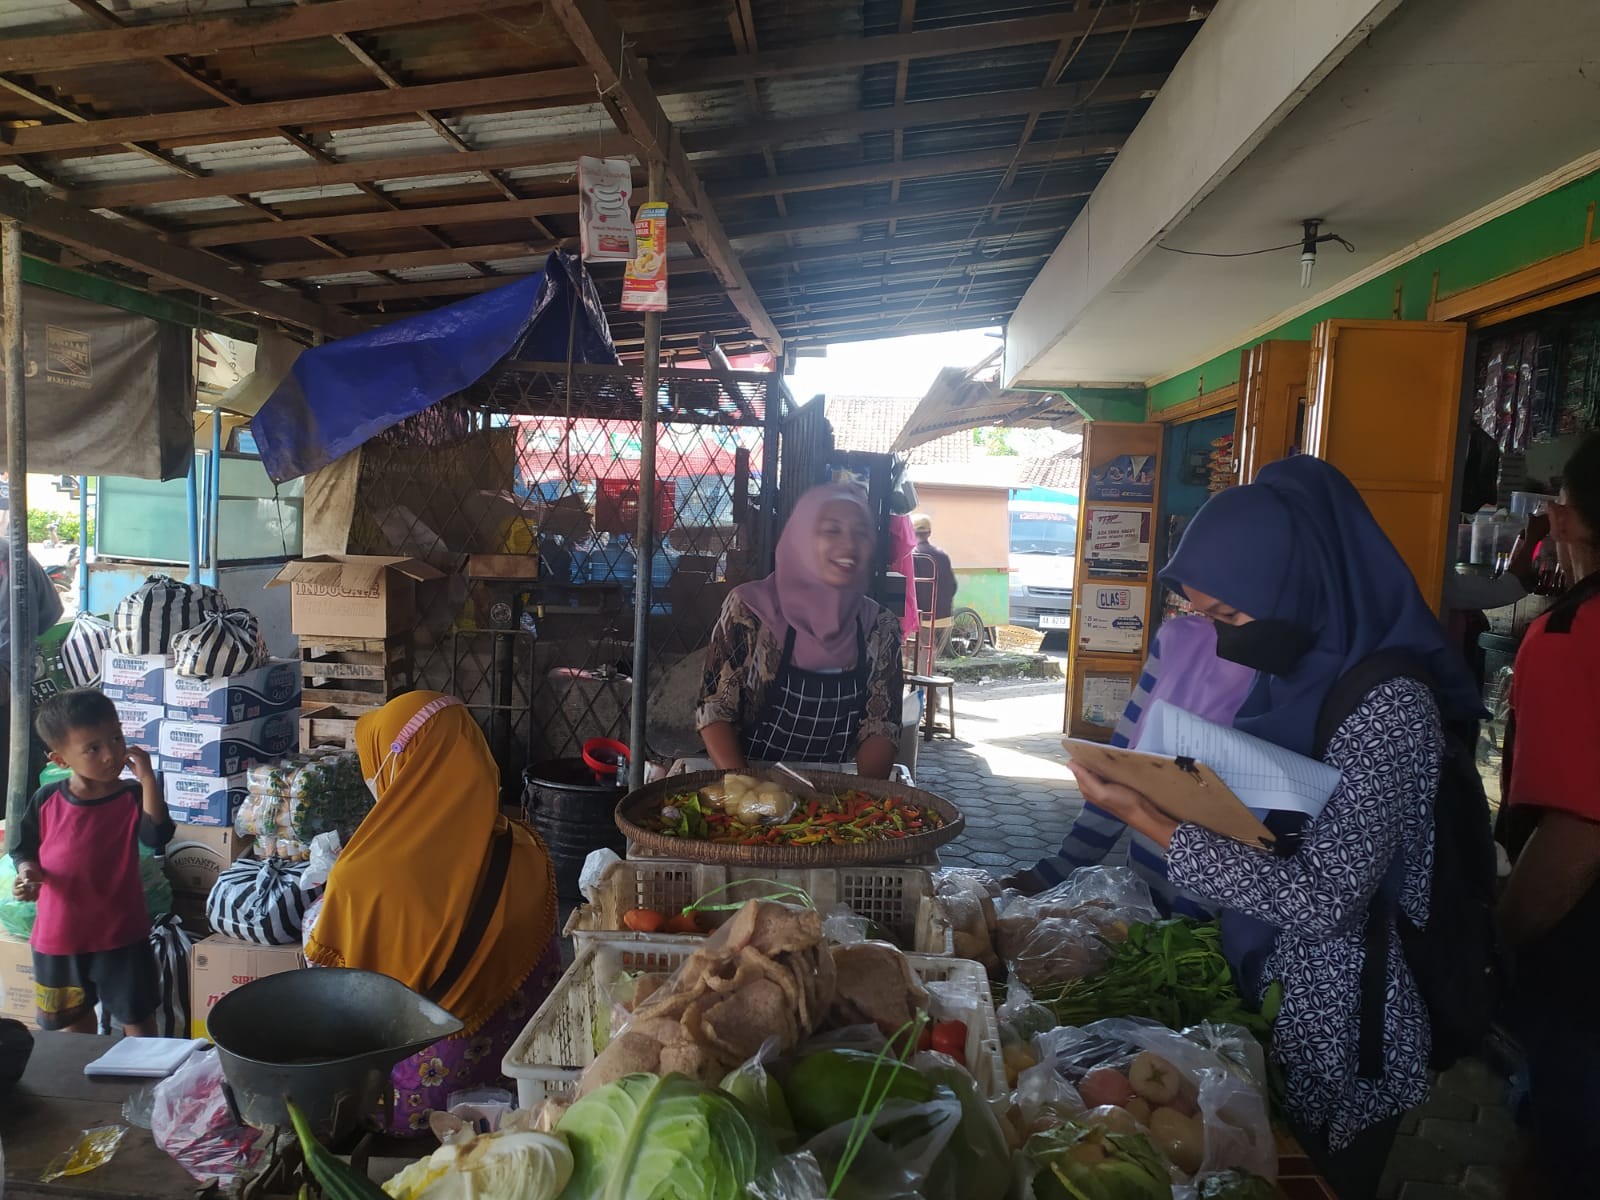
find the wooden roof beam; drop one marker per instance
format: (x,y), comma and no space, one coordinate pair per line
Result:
(399,218)
(245,28)
(266,115)
(80,229)
(1059,150)
(603,46)
(447,256)
(848,53)
(331,173)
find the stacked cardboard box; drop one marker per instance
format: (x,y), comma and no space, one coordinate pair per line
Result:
(353,615)
(218,964)
(16,980)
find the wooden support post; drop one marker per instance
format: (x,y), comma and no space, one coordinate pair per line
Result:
(18,785)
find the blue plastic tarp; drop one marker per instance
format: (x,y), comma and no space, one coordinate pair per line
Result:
(339,395)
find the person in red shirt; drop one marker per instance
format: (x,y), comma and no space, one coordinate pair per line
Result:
(1549,914)
(77,854)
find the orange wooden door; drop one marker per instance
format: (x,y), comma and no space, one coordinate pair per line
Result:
(1272,389)
(1384,407)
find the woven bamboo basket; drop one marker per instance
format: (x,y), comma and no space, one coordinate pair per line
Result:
(636,808)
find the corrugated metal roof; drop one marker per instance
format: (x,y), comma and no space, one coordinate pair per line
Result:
(966,265)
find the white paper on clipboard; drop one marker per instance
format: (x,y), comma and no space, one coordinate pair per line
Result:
(1265,777)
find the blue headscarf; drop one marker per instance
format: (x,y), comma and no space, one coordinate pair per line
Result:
(1300,545)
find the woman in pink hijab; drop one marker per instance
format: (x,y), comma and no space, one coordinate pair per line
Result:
(803,666)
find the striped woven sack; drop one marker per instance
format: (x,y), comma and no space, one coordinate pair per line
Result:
(84,649)
(225,643)
(172,942)
(260,902)
(157,611)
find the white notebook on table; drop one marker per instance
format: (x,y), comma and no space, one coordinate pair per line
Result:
(143,1058)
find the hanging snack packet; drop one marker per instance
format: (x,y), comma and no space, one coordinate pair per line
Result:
(605,186)
(644,284)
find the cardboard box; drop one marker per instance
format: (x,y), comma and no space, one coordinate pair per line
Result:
(141,725)
(197,854)
(353,595)
(16,979)
(217,965)
(135,678)
(222,751)
(204,799)
(231,699)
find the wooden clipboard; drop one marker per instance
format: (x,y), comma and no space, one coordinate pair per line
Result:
(1180,787)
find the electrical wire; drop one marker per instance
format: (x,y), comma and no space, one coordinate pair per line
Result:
(1294,245)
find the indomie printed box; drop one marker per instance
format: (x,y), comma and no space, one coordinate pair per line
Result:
(204,799)
(230,699)
(141,725)
(198,748)
(135,678)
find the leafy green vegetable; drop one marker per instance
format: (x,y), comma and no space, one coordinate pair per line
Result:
(1090,1163)
(1169,971)
(690,821)
(1235,1185)
(649,1138)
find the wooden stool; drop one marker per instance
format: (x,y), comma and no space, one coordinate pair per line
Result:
(933,684)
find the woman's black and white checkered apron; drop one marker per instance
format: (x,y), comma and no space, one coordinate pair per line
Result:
(810,716)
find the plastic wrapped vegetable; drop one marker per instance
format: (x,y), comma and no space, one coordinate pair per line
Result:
(1235,1185)
(1087,1162)
(750,800)
(510,1165)
(647,1136)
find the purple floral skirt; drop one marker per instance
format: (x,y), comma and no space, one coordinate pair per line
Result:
(423,1082)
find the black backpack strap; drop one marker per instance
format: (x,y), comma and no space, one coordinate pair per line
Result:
(1351,688)
(1343,699)
(477,922)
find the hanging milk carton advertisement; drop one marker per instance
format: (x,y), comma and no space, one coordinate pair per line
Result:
(1127,477)
(1110,618)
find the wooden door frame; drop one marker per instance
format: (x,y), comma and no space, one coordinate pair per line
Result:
(1573,275)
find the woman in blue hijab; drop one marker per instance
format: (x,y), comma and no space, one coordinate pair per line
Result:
(1304,586)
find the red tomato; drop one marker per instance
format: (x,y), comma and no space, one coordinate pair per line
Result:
(950,1037)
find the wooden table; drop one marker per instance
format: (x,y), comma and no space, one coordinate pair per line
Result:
(56,1102)
(52,1106)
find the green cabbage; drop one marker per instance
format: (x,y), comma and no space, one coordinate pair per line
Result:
(509,1165)
(1090,1163)
(649,1138)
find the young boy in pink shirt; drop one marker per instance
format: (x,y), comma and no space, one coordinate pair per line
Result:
(77,853)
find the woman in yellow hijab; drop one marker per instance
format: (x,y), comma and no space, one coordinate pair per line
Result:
(438,890)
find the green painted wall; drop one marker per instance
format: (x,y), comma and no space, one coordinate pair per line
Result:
(987,589)
(1553,224)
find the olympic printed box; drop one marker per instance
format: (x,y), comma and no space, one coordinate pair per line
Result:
(204,799)
(221,751)
(231,699)
(141,725)
(135,678)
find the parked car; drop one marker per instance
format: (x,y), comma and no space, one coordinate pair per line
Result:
(1044,543)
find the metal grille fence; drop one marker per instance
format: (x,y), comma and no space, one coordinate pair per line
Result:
(524,491)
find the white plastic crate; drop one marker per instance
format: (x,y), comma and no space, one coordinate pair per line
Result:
(900,899)
(558,1042)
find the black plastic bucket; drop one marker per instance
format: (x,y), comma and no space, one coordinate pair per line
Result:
(573,813)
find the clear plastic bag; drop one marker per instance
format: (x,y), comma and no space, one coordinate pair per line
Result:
(967,898)
(896,1155)
(190,1120)
(1065,933)
(1203,1109)
(844,927)
(325,848)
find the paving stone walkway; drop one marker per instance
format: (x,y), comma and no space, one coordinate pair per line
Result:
(1006,772)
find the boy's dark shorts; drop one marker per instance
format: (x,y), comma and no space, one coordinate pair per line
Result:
(68,986)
